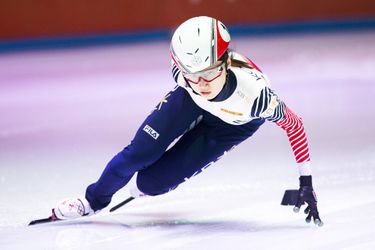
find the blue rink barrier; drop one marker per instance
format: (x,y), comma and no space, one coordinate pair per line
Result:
(254,29)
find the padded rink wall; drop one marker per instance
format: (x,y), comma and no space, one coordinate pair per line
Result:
(53,19)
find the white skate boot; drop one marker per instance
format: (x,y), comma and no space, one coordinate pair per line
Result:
(72,208)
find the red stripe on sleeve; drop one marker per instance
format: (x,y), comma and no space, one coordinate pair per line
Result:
(293,126)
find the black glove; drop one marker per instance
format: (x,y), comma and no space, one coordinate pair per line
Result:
(306,194)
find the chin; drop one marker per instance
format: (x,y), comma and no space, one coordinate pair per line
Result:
(210,97)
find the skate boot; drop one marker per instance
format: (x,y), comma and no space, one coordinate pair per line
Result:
(72,208)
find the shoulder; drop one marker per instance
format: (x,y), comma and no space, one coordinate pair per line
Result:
(247,71)
(250,78)
(237,57)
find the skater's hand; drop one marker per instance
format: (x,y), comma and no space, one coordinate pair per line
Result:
(306,194)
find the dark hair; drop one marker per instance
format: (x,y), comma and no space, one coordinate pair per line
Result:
(234,62)
(224,57)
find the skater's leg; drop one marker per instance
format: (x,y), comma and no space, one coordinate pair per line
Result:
(195,151)
(156,133)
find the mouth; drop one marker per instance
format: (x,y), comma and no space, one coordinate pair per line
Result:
(205,92)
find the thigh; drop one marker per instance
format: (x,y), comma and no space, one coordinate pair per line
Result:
(175,113)
(171,117)
(194,152)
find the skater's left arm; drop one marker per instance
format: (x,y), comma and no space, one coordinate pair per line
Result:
(271,108)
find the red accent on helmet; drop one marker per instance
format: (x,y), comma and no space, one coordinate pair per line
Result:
(222,45)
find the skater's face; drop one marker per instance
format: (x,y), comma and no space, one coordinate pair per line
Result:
(209,82)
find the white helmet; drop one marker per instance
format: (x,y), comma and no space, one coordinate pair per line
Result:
(198,43)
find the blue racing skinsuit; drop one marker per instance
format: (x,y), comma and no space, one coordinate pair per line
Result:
(206,130)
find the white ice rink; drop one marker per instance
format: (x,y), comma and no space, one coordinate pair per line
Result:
(65,113)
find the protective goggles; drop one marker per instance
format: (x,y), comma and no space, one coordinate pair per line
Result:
(208,75)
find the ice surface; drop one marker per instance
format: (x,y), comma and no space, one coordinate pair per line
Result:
(65,113)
